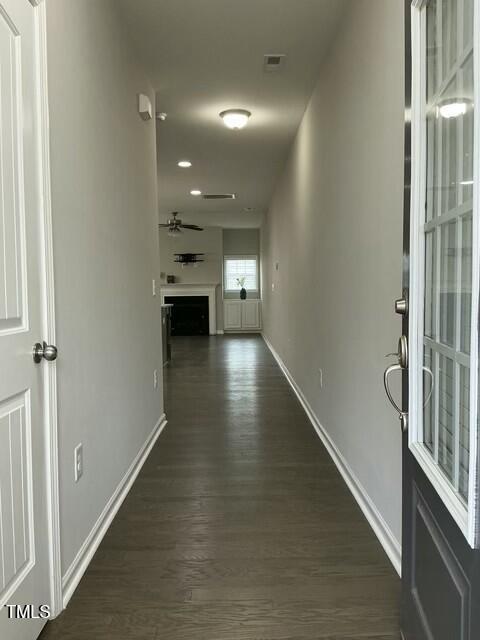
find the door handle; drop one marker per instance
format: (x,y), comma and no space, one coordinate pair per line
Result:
(46,351)
(402,415)
(401,365)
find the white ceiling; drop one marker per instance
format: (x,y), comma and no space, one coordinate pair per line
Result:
(204,56)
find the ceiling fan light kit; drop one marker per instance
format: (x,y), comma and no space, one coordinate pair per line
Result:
(175,226)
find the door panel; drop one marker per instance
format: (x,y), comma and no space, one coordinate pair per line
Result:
(24,570)
(12,239)
(433,556)
(250,314)
(16,491)
(440,561)
(233,314)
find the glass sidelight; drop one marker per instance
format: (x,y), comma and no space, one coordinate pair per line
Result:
(443,329)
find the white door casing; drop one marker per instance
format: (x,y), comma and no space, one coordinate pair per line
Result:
(28,516)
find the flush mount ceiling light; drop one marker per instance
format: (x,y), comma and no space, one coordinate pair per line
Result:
(195,192)
(185,164)
(235,118)
(452,109)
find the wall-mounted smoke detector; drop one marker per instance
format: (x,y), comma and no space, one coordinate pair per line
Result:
(273,61)
(219,196)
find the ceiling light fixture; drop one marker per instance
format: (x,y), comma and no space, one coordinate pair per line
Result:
(466,183)
(452,109)
(185,164)
(235,118)
(195,192)
(174,232)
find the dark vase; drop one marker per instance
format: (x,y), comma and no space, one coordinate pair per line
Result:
(243,294)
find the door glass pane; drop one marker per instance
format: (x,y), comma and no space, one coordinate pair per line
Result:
(448,284)
(466,166)
(447,313)
(449,12)
(466,287)
(445,415)
(428,403)
(464,419)
(467,24)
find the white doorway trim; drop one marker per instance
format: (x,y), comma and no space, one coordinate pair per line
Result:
(48,313)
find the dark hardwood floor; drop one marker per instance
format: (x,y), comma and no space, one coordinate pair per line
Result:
(239,527)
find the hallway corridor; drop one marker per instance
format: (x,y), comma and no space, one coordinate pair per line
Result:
(239,526)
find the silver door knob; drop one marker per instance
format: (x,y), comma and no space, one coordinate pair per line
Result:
(46,351)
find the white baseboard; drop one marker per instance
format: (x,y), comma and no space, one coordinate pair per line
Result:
(80,564)
(391,545)
(220,332)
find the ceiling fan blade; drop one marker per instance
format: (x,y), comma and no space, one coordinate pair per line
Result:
(164,225)
(193,227)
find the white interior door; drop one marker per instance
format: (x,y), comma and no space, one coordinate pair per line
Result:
(24,567)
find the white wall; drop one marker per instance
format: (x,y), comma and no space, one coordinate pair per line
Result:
(209,241)
(241,241)
(335,227)
(106,254)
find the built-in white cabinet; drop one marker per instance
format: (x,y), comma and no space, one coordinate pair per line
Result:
(241,315)
(232,314)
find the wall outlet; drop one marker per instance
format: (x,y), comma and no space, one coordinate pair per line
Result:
(78,462)
(320,378)
(154,287)
(155,379)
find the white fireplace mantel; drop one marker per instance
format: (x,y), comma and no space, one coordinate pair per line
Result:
(208,290)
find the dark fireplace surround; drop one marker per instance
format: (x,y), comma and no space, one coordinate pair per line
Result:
(189,315)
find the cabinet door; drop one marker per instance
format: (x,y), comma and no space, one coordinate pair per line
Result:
(233,314)
(251,314)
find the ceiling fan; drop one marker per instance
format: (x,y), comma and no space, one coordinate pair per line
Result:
(175,226)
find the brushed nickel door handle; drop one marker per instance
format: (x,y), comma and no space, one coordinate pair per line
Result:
(386,375)
(46,351)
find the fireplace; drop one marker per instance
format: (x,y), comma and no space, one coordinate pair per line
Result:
(181,290)
(190,315)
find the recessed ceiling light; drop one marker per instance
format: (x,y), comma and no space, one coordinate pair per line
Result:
(235,118)
(185,164)
(195,192)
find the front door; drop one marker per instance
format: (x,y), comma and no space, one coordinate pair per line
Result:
(441,560)
(24,569)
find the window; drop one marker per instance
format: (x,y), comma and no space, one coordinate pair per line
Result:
(241,267)
(443,358)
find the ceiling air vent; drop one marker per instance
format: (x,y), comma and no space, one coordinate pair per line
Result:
(219,196)
(273,61)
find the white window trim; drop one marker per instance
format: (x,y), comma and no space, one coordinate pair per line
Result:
(252,256)
(465,517)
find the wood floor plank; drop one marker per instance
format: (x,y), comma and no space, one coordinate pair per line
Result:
(239,526)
